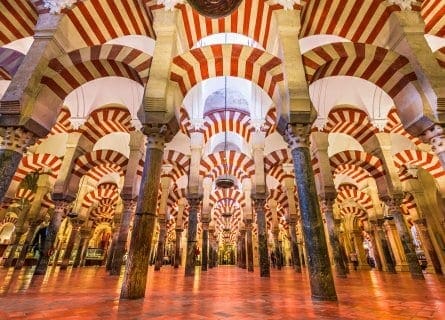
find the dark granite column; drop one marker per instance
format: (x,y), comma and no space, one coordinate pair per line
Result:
(405,237)
(277,248)
(320,274)
(294,244)
(161,244)
(205,245)
(249,244)
(190,262)
(144,223)
(428,245)
(259,201)
(27,244)
(243,252)
(178,247)
(51,234)
(119,252)
(76,224)
(111,249)
(386,248)
(13,144)
(340,266)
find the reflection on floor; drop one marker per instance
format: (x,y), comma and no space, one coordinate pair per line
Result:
(222,293)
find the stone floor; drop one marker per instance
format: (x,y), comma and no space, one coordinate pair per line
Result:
(222,293)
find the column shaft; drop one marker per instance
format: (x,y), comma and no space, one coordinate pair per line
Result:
(161,245)
(70,245)
(249,244)
(262,234)
(192,228)
(205,246)
(386,248)
(294,246)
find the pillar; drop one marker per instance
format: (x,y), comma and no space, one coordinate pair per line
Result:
(320,274)
(161,244)
(135,278)
(386,248)
(375,246)
(112,248)
(259,201)
(178,232)
(190,262)
(243,252)
(275,232)
(75,224)
(205,245)
(165,188)
(119,252)
(85,234)
(249,245)
(294,244)
(430,253)
(51,234)
(340,267)
(405,237)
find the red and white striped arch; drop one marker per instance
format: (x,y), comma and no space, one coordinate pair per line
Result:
(229,194)
(10,217)
(106,120)
(38,162)
(233,60)
(47,201)
(361,159)
(17,20)
(277,157)
(89,161)
(279,195)
(103,212)
(349,192)
(351,121)
(428,161)
(117,18)
(356,173)
(231,120)
(278,173)
(179,161)
(238,164)
(440,56)
(25,194)
(104,190)
(70,71)
(174,196)
(270,121)
(394,125)
(354,211)
(99,172)
(10,61)
(253,18)
(433,13)
(386,69)
(358,21)
(409,203)
(102,218)
(63,124)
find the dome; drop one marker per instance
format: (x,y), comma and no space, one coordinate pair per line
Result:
(235,100)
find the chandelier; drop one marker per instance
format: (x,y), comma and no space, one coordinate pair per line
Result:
(215,8)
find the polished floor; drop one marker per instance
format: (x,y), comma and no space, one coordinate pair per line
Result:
(222,293)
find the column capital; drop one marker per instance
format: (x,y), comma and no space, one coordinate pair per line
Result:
(297,135)
(16,139)
(393,203)
(129,204)
(435,136)
(259,200)
(194,200)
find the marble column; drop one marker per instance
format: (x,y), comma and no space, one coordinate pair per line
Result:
(85,234)
(243,252)
(53,228)
(339,263)
(25,248)
(249,245)
(259,201)
(205,245)
(13,144)
(161,244)
(190,261)
(320,274)
(386,248)
(427,244)
(405,237)
(75,224)
(124,227)
(18,236)
(294,244)
(178,247)
(144,223)
(375,249)
(112,247)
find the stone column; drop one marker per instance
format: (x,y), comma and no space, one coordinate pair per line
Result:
(339,263)
(85,234)
(18,236)
(119,251)
(405,237)
(259,201)
(375,247)
(135,278)
(243,252)
(190,262)
(178,247)
(75,224)
(294,244)
(48,247)
(112,247)
(275,232)
(386,248)
(249,244)
(165,189)
(425,239)
(205,245)
(320,274)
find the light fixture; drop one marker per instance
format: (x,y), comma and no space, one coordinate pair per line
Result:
(225,181)
(215,8)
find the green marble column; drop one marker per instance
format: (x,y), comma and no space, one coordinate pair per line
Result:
(405,237)
(249,245)
(294,245)
(119,252)
(320,274)
(190,262)
(340,266)
(263,251)
(144,223)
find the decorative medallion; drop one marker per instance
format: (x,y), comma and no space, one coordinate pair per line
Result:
(215,8)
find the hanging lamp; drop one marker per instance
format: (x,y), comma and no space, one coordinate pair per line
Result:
(215,8)
(225,181)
